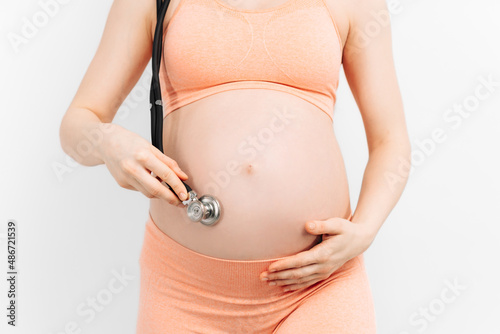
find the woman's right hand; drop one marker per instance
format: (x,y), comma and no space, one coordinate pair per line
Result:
(131,159)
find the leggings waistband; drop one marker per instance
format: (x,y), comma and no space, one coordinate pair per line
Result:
(178,264)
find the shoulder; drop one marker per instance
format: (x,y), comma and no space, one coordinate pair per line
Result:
(369,23)
(362,12)
(355,15)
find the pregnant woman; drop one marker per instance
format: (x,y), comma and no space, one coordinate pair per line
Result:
(248,91)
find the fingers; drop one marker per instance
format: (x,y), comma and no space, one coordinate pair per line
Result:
(165,173)
(302,259)
(296,278)
(294,274)
(170,163)
(136,185)
(302,280)
(330,226)
(152,188)
(137,174)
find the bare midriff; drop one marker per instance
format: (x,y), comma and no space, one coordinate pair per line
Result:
(270,158)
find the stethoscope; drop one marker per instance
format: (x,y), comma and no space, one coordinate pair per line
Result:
(206,209)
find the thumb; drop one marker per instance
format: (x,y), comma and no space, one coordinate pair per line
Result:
(329,226)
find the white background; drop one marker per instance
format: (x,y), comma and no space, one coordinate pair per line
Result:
(76,226)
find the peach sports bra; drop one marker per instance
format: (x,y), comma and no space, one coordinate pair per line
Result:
(212,47)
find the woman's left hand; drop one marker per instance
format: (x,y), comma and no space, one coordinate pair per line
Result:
(342,240)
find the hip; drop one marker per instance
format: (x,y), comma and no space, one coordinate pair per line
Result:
(186,291)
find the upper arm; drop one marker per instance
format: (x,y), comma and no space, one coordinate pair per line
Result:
(370,72)
(122,55)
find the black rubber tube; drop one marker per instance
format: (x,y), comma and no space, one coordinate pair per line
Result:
(155,100)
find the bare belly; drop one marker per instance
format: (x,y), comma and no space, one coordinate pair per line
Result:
(273,162)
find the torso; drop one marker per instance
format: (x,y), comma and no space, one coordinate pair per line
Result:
(268,189)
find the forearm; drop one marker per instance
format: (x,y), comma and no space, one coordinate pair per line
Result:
(383,183)
(81,134)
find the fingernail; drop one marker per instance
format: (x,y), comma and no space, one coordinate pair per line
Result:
(183,196)
(272,283)
(311,225)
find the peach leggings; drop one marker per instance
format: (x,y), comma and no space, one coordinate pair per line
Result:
(182,291)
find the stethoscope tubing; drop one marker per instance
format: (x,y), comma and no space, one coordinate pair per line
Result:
(207,209)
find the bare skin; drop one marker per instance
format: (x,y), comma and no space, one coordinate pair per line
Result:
(268,197)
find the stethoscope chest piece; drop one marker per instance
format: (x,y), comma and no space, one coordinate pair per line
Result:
(206,209)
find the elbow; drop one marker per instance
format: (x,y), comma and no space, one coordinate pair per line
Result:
(64,136)
(77,136)
(406,150)
(403,154)
(399,145)
(398,150)
(66,139)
